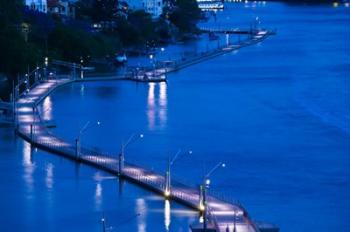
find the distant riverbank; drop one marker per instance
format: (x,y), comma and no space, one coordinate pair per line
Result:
(27,37)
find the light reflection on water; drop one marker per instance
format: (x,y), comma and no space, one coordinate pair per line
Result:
(157,105)
(151,107)
(167,215)
(163,104)
(49,180)
(29,166)
(82,90)
(98,196)
(47,109)
(141,208)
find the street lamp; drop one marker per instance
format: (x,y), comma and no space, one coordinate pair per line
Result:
(153,62)
(203,188)
(81,132)
(167,190)
(131,139)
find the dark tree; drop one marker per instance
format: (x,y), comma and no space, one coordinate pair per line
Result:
(185,15)
(103,10)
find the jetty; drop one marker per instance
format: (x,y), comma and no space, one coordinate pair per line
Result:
(234,30)
(161,69)
(216,214)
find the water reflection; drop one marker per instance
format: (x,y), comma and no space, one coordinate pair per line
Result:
(47,109)
(98,196)
(82,90)
(28,165)
(167,216)
(49,176)
(151,107)
(157,105)
(141,208)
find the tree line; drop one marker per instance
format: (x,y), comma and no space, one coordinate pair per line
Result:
(26,36)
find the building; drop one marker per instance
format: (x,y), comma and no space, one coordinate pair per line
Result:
(153,7)
(37,5)
(65,8)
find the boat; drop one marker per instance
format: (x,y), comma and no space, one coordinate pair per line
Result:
(210,5)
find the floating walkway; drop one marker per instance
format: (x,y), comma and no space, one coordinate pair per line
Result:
(160,71)
(234,30)
(172,66)
(222,216)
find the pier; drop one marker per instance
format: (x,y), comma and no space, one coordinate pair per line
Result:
(164,68)
(234,30)
(216,214)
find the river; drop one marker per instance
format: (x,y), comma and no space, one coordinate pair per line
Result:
(276,113)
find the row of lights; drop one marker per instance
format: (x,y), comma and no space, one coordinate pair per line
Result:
(246,1)
(336,4)
(167,191)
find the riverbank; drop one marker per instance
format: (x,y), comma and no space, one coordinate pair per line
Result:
(27,36)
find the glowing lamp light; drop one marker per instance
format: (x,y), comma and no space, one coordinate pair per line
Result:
(167,193)
(201,207)
(201,219)
(335,4)
(207,181)
(141,136)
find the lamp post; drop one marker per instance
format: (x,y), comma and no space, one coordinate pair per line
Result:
(153,61)
(46,62)
(167,190)
(81,132)
(131,139)
(203,206)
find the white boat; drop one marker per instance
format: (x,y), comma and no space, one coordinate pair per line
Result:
(210,5)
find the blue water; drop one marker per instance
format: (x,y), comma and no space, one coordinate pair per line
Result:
(276,113)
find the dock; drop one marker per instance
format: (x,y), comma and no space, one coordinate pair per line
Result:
(176,65)
(233,30)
